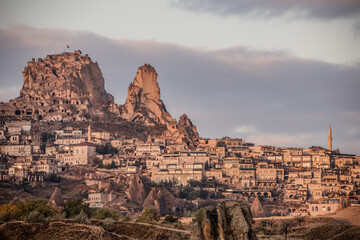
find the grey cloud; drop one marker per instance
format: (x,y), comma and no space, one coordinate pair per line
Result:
(222,91)
(323,9)
(356,29)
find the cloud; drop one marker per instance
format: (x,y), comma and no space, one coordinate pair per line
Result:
(270,97)
(356,28)
(321,9)
(245,129)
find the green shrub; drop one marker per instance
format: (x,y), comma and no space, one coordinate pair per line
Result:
(34,217)
(20,210)
(170,219)
(53,178)
(82,218)
(58,216)
(73,208)
(109,224)
(149,214)
(199,214)
(103,213)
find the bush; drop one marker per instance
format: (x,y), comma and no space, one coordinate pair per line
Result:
(106,149)
(82,218)
(170,219)
(199,214)
(221,144)
(73,208)
(104,213)
(58,216)
(20,210)
(149,214)
(34,217)
(5,217)
(191,193)
(109,224)
(53,178)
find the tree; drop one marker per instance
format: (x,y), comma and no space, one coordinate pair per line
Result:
(34,217)
(53,178)
(43,147)
(286,226)
(262,226)
(112,165)
(149,214)
(104,213)
(106,149)
(100,165)
(220,144)
(47,137)
(82,218)
(170,219)
(73,207)
(109,224)
(20,210)
(270,222)
(299,220)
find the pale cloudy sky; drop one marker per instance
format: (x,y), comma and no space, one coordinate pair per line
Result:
(270,71)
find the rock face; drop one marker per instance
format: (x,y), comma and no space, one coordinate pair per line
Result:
(60,87)
(226,221)
(257,209)
(163,201)
(56,198)
(143,103)
(70,87)
(136,191)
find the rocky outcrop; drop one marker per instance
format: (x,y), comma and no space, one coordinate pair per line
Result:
(190,129)
(63,86)
(227,221)
(257,209)
(136,190)
(143,103)
(163,201)
(56,198)
(70,87)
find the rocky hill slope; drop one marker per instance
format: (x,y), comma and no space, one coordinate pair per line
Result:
(70,87)
(143,101)
(65,86)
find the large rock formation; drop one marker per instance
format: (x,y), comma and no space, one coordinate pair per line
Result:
(61,87)
(143,103)
(136,190)
(70,87)
(257,208)
(163,201)
(226,221)
(56,198)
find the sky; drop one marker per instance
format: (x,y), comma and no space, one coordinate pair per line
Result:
(273,72)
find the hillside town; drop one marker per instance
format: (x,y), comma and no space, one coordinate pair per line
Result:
(64,138)
(288,181)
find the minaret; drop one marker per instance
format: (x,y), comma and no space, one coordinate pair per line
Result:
(330,138)
(89,133)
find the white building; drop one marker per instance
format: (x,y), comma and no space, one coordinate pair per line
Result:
(18,150)
(83,152)
(147,150)
(98,200)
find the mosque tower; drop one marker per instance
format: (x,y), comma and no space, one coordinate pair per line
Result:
(330,138)
(89,133)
